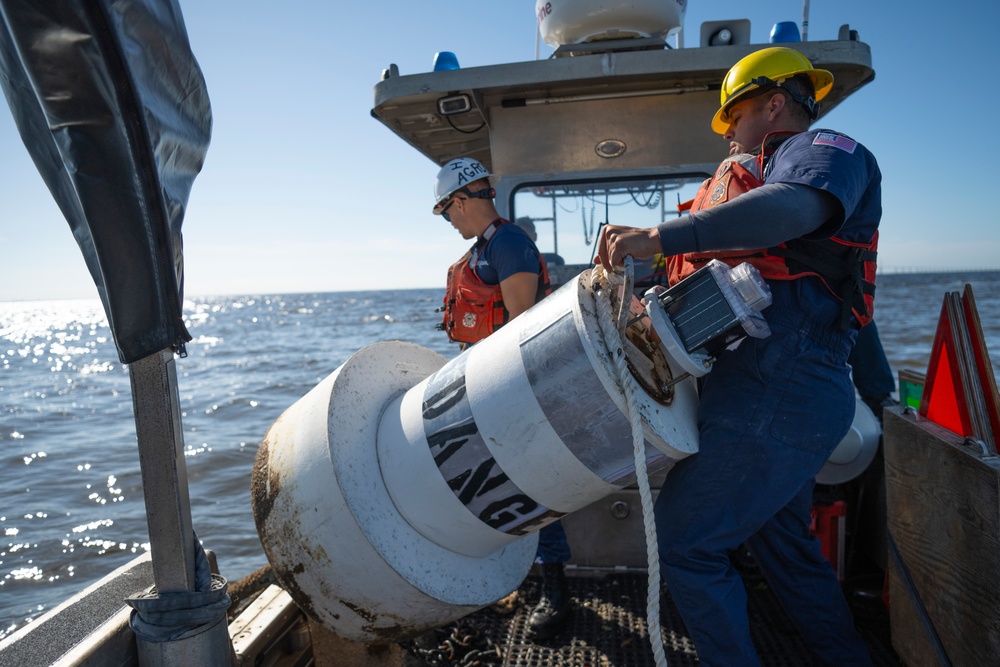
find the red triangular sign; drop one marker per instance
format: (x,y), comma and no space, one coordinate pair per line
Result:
(943,401)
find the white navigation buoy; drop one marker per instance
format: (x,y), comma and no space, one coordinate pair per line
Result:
(405,491)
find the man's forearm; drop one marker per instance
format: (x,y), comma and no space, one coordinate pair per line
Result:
(763,217)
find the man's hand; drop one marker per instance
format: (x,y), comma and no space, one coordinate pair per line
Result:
(617,242)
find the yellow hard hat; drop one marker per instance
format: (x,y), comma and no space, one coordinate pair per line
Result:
(772,65)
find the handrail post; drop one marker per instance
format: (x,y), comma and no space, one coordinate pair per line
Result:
(156,403)
(180,568)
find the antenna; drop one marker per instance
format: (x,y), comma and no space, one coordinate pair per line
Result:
(805,20)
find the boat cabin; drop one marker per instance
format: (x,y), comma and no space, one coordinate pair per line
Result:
(614,131)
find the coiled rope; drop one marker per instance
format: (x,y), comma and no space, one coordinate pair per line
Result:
(614,339)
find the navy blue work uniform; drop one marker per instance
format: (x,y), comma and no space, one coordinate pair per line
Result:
(771,412)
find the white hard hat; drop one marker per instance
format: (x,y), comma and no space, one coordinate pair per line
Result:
(456,175)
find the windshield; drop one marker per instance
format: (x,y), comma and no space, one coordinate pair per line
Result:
(566,217)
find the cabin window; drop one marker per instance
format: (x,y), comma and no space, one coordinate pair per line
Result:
(567,217)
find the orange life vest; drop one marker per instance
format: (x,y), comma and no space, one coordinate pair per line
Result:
(472,309)
(846,268)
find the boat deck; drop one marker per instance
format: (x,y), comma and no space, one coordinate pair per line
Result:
(608,628)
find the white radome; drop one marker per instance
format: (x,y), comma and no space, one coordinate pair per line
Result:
(575,21)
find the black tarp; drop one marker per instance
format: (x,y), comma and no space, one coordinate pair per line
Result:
(113,109)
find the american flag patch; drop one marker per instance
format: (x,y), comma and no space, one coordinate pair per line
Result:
(835,140)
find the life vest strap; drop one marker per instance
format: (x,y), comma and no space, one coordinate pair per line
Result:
(840,266)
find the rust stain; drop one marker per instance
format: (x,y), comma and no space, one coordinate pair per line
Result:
(395,634)
(401,631)
(316,552)
(265,485)
(291,585)
(369,616)
(287,550)
(656,380)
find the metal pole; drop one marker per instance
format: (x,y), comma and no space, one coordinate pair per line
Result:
(805,20)
(156,403)
(555,234)
(164,474)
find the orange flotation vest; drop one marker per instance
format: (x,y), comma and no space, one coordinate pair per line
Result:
(847,269)
(472,309)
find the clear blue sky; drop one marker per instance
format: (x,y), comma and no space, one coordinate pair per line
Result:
(303,191)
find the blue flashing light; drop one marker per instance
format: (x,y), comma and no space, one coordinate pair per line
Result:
(785,31)
(445,60)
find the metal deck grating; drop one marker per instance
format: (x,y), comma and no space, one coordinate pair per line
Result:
(608,629)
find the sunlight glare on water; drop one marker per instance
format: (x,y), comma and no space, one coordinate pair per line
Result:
(72,496)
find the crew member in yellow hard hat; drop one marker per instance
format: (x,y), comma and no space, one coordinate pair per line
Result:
(803,206)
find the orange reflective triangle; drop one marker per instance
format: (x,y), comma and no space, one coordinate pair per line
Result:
(943,401)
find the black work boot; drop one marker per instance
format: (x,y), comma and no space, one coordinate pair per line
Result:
(550,614)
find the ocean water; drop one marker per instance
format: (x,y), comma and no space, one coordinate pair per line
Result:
(71,505)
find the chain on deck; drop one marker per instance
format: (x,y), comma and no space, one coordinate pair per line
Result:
(608,629)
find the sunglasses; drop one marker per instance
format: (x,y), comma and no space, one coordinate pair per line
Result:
(481,194)
(444,211)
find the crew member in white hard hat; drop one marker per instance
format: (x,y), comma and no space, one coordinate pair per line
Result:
(503,273)
(499,278)
(773,409)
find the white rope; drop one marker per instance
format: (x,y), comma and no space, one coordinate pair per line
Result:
(614,339)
